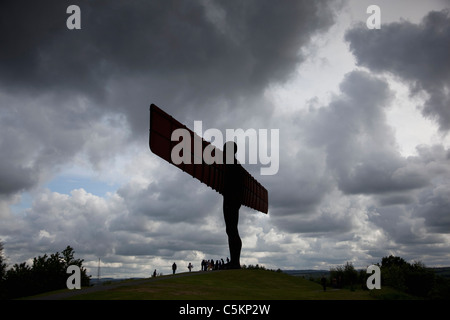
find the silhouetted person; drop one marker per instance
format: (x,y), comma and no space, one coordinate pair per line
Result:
(203,265)
(324,283)
(154,274)
(174,267)
(232,199)
(190,266)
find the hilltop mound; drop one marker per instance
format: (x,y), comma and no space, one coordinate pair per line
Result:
(222,285)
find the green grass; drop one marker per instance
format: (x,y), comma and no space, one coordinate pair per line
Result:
(226,285)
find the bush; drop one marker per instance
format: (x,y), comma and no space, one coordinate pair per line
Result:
(344,276)
(252,267)
(419,280)
(47,273)
(414,279)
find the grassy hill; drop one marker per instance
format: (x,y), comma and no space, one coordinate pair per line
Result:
(227,285)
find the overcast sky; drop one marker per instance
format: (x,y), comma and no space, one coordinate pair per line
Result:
(363,116)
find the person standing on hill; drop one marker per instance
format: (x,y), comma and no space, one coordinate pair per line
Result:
(323,280)
(174,267)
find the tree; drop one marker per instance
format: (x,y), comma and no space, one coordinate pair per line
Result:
(18,280)
(392,261)
(47,273)
(419,280)
(413,278)
(344,275)
(393,272)
(68,259)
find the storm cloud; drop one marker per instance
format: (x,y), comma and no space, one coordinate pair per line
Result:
(184,54)
(129,54)
(416,53)
(74,109)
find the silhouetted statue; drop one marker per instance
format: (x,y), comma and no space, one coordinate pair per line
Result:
(232,199)
(229,178)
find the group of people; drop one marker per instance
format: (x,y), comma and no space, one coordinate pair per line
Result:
(208,265)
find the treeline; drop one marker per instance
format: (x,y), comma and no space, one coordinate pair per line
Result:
(412,278)
(253,267)
(259,267)
(47,273)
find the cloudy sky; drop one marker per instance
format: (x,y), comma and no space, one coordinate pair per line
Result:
(363,116)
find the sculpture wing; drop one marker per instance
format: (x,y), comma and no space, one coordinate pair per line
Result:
(161,127)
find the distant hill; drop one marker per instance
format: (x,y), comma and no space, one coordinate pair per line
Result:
(308,273)
(104,281)
(442,271)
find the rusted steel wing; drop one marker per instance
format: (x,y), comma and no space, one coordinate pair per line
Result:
(162,126)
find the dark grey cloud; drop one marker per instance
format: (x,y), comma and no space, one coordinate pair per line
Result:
(176,50)
(346,149)
(362,152)
(15,178)
(301,181)
(434,206)
(415,222)
(416,53)
(433,202)
(185,56)
(71,96)
(40,134)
